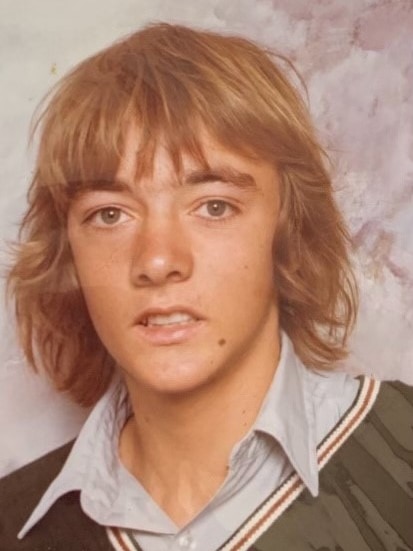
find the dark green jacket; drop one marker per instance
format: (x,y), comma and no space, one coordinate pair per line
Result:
(365,501)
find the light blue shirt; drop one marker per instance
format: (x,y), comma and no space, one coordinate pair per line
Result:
(299,410)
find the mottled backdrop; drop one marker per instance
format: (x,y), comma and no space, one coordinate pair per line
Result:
(357,59)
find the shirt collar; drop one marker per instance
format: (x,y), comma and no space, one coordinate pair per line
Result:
(286,415)
(98,430)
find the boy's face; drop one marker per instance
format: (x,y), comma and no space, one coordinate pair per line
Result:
(178,277)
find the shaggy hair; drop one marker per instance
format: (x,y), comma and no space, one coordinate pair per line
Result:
(171,81)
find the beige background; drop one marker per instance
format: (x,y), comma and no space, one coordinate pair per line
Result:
(356,56)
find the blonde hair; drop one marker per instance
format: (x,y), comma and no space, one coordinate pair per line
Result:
(171,80)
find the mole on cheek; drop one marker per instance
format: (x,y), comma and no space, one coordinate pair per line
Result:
(221,342)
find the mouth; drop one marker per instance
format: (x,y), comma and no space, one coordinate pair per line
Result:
(168,326)
(167,320)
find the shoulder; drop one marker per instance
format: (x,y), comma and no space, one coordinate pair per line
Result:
(370,478)
(385,437)
(21,490)
(366,497)
(64,527)
(24,487)
(330,396)
(381,449)
(395,401)
(387,428)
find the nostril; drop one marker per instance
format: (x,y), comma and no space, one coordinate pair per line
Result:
(144,279)
(175,276)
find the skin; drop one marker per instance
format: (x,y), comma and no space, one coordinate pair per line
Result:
(202,244)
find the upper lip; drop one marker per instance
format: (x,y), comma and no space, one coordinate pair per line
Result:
(165,311)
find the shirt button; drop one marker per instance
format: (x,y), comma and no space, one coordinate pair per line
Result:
(186,541)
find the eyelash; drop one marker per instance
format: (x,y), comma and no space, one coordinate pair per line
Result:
(227,205)
(222,202)
(91,217)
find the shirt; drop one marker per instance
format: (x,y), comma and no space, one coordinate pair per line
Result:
(298,411)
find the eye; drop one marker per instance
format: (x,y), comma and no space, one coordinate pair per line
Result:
(216,208)
(107,216)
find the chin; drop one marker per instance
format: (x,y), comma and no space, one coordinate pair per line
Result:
(169,379)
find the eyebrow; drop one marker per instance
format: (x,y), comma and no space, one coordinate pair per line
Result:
(225,174)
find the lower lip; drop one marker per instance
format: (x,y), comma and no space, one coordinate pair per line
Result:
(164,335)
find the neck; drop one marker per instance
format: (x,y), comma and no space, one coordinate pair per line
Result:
(180,445)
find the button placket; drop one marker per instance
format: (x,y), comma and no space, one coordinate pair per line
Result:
(186,541)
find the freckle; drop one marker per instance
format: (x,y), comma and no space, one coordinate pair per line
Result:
(221,342)
(245,266)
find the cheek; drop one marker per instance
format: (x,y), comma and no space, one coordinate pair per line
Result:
(242,267)
(256,264)
(97,268)
(100,285)
(255,252)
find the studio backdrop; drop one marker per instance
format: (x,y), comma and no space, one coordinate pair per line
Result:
(356,57)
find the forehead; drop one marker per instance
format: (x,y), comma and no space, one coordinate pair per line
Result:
(168,167)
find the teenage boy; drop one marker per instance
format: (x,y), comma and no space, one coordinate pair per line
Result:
(184,268)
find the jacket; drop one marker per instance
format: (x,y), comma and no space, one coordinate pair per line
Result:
(365,501)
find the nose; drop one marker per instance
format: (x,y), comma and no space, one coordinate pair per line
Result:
(162,253)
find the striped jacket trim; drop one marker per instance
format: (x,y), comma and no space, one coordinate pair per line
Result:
(271,508)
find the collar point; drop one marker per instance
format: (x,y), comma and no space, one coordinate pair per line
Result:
(313,487)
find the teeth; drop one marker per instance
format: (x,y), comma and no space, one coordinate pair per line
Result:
(170,319)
